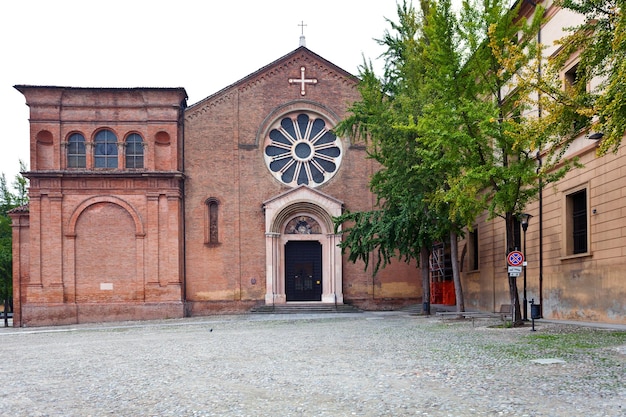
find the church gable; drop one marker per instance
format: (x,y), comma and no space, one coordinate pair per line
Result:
(311,70)
(298,76)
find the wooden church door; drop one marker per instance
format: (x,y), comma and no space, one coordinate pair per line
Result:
(303,271)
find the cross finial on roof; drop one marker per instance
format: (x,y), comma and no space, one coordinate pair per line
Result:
(302,40)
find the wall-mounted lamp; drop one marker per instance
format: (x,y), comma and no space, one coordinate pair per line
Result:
(596,136)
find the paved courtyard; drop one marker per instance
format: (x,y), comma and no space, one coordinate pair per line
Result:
(364,364)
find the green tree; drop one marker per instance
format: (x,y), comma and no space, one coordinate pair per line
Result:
(476,125)
(9,201)
(451,126)
(403,225)
(20,185)
(6,254)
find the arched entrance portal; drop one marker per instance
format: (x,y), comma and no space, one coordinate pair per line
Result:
(302,252)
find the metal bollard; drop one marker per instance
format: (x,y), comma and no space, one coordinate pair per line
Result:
(535,312)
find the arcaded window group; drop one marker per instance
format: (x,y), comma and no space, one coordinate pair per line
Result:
(106,150)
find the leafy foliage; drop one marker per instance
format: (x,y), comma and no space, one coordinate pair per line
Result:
(404,220)
(600,42)
(453,124)
(9,201)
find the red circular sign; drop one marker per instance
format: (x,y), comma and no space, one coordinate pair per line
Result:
(515,258)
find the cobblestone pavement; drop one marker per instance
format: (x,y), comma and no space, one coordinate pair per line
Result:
(367,364)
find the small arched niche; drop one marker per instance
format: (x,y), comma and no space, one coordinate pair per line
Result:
(45,150)
(162,151)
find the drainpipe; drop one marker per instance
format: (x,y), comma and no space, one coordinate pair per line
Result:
(539,162)
(539,115)
(540,237)
(183,264)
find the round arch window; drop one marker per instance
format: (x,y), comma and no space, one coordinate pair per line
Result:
(301,149)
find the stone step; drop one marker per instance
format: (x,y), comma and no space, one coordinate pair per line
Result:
(305,309)
(412,309)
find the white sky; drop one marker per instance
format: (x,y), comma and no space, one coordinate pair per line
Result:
(202,46)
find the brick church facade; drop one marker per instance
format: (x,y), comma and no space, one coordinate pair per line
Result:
(142,207)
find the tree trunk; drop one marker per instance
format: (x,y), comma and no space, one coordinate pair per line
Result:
(425,267)
(517,315)
(456,276)
(513,293)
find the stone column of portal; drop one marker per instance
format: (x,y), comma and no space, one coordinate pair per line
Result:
(337,267)
(328,270)
(273,292)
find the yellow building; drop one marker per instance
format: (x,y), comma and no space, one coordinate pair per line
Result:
(575,242)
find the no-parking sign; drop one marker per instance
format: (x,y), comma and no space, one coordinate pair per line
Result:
(515,258)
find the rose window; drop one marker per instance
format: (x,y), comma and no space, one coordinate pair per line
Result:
(301,149)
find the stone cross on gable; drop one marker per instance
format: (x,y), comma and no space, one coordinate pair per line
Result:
(302,81)
(302,40)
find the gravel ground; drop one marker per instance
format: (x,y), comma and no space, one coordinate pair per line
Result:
(367,364)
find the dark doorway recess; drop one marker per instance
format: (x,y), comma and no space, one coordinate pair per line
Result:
(303,271)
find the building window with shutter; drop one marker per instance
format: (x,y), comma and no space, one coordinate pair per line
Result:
(576,222)
(472,240)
